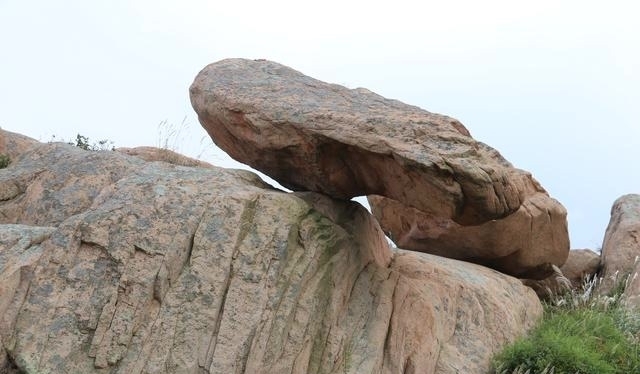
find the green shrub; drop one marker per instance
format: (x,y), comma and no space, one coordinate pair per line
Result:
(83,142)
(5,160)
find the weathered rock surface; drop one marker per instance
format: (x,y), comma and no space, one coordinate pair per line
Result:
(310,135)
(580,265)
(621,248)
(524,244)
(19,250)
(112,264)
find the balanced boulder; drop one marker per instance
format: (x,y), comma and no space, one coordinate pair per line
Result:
(311,135)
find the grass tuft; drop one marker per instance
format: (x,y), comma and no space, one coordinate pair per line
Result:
(581,332)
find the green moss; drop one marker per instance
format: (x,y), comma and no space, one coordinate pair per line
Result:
(325,234)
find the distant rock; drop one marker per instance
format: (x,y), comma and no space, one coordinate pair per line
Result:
(109,263)
(581,265)
(621,249)
(310,135)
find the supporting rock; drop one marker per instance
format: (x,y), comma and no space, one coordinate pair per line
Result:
(172,269)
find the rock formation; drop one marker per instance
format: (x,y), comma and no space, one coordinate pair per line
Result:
(310,135)
(109,263)
(621,249)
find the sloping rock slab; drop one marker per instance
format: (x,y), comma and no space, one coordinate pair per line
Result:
(311,135)
(161,268)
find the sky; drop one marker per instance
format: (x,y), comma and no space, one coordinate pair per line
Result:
(553,85)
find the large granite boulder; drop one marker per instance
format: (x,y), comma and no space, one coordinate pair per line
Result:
(109,263)
(621,249)
(310,135)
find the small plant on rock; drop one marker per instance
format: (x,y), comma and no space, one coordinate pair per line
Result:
(83,143)
(5,160)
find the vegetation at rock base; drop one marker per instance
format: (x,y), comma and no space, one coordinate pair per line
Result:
(580,333)
(5,160)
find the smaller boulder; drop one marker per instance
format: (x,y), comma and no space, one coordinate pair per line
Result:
(524,244)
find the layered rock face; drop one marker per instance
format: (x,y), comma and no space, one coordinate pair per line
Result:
(621,249)
(441,191)
(109,263)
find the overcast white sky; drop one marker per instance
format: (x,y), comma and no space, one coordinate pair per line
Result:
(553,85)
